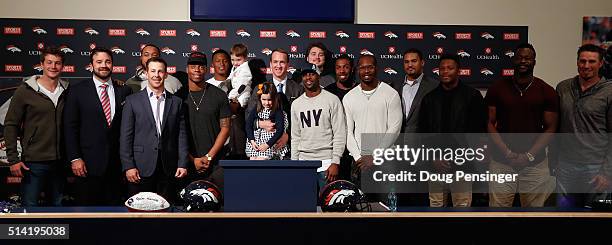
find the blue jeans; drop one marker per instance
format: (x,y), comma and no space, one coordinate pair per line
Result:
(43,176)
(573,184)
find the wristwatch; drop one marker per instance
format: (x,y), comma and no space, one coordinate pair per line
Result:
(208,157)
(530,156)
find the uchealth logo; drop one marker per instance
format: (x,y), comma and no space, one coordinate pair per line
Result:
(485,71)
(390,71)
(365,52)
(68,69)
(13,49)
(266,51)
(465,72)
(292,33)
(414,35)
(488,55)
(194,48)
(267,34)
(508,72)
(12,30)
(341,34)
(167,33)
(167,50)
(463,53)
(391,49)
(40,45)
(436,71)
(242,33)
(39,30)
(317,34)
(217,33)
(439,35)
(487,35)
(113,32)
(65,31)
(390,35)
(117,50)
(13,68)
(66,49)
(512,36)
(463,36)
(92,46)
(439,50)
(293,48)
(342,49)
(119,69)
(142,32)
(91,31)
(509,53)
(192,32)
(37,68)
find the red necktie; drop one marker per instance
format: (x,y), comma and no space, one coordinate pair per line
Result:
(106,107)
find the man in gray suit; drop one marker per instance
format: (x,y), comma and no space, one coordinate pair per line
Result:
(153,138)
(288,90)
(411,91)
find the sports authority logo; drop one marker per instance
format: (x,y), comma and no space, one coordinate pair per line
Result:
(38,30)
(37,67)
(217,33)
(365,52)
(117,50)
(142,32)
(366,35)
(13,68)
(242,33)
(13,49)
(66,49)
(293,48)
(463,53)
(120,69)
(267,34)
(390,71)
(509,53)
(68,69)
(91,31)
(167,50)
(463,36)
(12,30)
(488,55)
(317,34)
(465,72)
(391,49)
(390,35)
(167,33)
(117,32)
(192,32)
(512,36)
(266,51)
(487,35)
(414,35)
(439,35)
(292,33)
(64,31)
(337,197)
(171,69)
(485,71)
(342,34)
(436,71)
(508,72)
(342,49)
(194,48)
(291,69)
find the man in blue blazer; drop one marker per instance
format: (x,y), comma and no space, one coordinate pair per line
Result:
(92,118)
(153,139)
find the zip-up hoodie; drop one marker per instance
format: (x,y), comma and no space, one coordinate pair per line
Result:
(33,118)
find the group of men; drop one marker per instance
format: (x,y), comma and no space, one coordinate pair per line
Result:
(156,134)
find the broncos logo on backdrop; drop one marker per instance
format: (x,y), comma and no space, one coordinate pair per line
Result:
(292,33)
(192,32)
(91,31)
(13,48)
(142,32)
(338,196)
(243,33)
(390,34)
(39,30)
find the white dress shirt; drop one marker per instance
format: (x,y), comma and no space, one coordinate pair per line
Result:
(109,90)
(153,101)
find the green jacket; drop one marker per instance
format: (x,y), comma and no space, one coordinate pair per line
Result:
(36,121)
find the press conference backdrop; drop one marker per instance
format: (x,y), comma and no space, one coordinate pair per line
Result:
(485,51)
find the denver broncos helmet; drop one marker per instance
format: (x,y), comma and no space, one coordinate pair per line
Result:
(201,196)
(343,196)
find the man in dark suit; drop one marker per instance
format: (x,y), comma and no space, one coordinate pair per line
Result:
(288,90)
(92,117)
(153,138)
(411,91)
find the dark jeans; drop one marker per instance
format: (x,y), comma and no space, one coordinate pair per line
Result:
(165,185)
(47,176)
(574,187)
(106,190)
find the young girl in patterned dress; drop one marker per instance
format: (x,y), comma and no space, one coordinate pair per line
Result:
(259,145)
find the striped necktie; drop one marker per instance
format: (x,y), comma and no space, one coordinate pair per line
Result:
(106,107)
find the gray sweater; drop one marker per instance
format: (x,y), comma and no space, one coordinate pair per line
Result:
(318,128)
